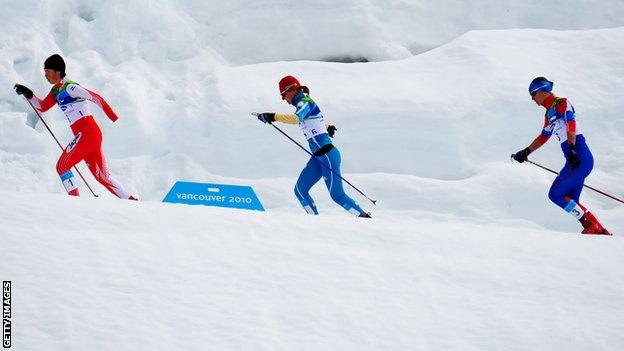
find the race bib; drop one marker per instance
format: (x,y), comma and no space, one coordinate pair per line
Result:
(560,129)
(313,127)
(76,111)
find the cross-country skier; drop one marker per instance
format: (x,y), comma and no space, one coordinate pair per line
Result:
(326,156)
(87,143)
(560,121)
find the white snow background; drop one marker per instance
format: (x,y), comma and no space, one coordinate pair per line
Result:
(465,251)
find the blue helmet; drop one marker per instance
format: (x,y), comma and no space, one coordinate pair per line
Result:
(540,84)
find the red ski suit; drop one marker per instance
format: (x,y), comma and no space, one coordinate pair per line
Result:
(87,142)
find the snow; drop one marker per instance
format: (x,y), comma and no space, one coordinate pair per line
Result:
(465,250)
(190,278)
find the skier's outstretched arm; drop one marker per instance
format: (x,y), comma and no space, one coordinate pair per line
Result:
(289,118)
(38,104)
(538,142)
(270,117)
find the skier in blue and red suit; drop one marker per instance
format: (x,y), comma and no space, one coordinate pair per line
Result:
(560,121)
(325,162)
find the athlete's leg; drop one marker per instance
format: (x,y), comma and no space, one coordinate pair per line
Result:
(567,187)
(334,182)
(591,224)
(75,152)
(584,169)
(97,165)
(309,176)
(575,193)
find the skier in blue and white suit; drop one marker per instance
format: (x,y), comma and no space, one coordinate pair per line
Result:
(326,156)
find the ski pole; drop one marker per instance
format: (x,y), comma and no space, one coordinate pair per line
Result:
(321,162)
(59,144)
(585,185)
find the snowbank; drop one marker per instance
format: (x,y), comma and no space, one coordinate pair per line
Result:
(154,276)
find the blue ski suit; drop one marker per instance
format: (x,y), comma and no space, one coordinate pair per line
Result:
(559,119)
(326,160)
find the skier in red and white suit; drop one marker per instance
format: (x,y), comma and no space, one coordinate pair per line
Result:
(87,142)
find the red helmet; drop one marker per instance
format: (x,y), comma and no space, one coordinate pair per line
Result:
(290,82)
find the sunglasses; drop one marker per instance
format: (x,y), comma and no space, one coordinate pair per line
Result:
(287,89)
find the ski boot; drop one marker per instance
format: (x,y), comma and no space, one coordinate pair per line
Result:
(365,215)
(592,226)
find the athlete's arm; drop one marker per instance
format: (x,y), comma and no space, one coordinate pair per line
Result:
(562,109)
(76,91)
(45,104)
(289,118)
(303,110)
(538,142)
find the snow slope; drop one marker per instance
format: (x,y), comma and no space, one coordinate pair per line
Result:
(165,277)
(465,251)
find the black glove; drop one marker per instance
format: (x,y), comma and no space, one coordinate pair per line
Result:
(573,158)
(267,117)
(331,130)
(521,155)
(22,90)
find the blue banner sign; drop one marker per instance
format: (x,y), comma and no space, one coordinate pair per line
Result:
(222,195)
